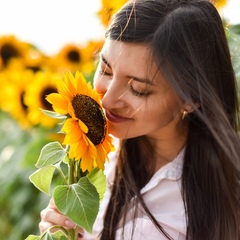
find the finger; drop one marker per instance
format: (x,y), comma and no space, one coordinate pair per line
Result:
(56,218)
(44,226)
(63,220)
(52,204)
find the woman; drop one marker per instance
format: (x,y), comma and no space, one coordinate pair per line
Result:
(169,93)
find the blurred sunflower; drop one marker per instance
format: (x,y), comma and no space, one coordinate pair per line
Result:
(90,52)
(36,60)
(108,9)
(86,125)
(69,58)
(219,3)
(13,91)
(42,84)
(3,82)
(11,48)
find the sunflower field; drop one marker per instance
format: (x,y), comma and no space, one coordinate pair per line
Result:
(27,76)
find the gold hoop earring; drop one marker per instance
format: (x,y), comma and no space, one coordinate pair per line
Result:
(184,114)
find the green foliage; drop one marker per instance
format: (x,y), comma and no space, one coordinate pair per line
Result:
(233,36)
(79,201)
(42,178)
(20,201)
(78,196)
(59,235)
(98,179)
(51,153)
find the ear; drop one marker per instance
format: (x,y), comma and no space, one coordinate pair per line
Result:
(190,108)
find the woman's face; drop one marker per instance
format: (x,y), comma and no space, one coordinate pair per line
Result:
(136,98)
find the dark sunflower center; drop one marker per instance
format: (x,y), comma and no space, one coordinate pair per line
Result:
(46,91)
(34,68)
(91,114)
(24,106)
(7,52)
(74,56)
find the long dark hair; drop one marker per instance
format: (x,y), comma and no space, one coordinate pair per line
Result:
(189,45)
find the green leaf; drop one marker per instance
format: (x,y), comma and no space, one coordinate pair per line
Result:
(79,202)
(33,237)
(66,159)
(50,154)
(235,29)
(53,114)
(42,178)
(59,235)
(98,179)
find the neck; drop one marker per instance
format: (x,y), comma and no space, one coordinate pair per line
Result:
(167,149)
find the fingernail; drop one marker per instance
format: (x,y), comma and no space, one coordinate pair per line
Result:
(70,224)
(80,235)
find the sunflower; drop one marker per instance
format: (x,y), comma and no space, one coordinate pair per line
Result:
(69,58)
(3,82)
(89,56)
(86,125)
(41,85)
(11,48)
(219,3)
(13,90)
(109,8)
(36,60)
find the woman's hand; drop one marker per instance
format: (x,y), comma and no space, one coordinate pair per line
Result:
(50,216)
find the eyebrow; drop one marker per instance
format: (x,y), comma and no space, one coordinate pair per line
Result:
(142,80)
(105,60)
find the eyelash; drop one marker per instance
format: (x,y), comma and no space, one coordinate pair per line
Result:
(138,94)
(102,72)
(134,92)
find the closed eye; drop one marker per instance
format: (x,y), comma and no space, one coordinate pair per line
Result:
(139,88)
(103,72)
(137,93)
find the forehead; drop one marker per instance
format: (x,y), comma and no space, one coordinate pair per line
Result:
(116,46)
(133,57)
(130,52)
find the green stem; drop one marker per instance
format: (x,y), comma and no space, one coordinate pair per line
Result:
(73,232)
(59,227)
(77,169)
(61,173)
(71,168)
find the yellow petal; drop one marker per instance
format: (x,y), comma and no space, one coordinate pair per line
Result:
(58,104)
(83,127)
(86,164)
(72,130)
(101,157)
(80,149)
(63,89)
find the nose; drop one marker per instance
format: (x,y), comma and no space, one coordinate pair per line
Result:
(110,91)
(100,83)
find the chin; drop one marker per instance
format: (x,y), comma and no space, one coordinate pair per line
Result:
(116,133)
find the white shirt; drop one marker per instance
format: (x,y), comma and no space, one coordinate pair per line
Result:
(162,195)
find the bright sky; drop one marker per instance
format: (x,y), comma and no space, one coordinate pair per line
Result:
(49,24)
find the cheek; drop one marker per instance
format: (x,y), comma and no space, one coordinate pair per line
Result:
(97,83)
(158,112)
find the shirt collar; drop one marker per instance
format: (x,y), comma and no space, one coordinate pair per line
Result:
(171,171)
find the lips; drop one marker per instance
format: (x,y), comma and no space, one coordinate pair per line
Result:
(115,118)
